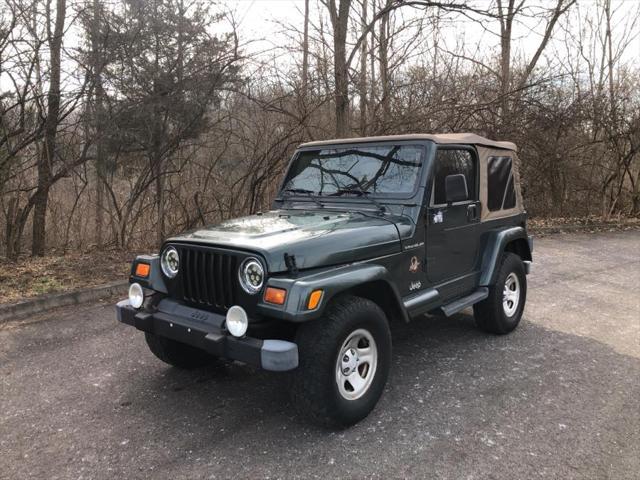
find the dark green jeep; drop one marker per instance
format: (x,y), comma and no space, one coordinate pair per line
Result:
(363,232)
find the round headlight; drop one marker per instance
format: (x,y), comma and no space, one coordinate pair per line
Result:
(136,295)
(170,262)
(251,275)
(237,321)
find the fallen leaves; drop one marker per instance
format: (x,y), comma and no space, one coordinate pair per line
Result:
(591,224)
(29,277)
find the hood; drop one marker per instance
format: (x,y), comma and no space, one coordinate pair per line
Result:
(316,238)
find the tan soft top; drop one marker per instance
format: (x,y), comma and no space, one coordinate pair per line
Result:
(442,138)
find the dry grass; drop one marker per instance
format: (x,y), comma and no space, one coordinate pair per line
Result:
(29,277)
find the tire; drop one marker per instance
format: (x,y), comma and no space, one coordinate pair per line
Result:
(353,329)
(500,313)
(177,354)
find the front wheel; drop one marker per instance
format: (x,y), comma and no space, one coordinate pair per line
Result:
(344,362)
(501,311)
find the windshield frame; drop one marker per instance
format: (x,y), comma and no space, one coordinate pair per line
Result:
(424,146)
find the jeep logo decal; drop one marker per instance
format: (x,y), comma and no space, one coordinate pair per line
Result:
(199,316)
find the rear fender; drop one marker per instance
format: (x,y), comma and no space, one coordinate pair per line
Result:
(498,241)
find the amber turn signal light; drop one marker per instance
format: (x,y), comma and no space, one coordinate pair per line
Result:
(275,295)
(142,270)
(314,299)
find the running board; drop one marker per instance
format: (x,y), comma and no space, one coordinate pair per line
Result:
(464,302)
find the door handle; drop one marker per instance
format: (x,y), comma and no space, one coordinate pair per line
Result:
(472,212)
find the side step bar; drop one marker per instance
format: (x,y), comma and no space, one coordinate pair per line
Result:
(464,302)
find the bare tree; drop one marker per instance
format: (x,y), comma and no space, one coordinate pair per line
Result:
(47,158)
(507,14)
(182,129)
(170,80)
(305,50)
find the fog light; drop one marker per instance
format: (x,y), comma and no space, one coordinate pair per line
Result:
(237,321)
(136,295)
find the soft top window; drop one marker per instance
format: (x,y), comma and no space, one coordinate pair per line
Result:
(385,170)
(500,186)
(451,161)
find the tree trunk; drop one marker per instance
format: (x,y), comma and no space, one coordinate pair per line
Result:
(373,93)
(384,70)
(506,25)
(635,196)
(157,168)
(99,127)
(100,179)
(305,51)
(363,74)
(340,21)
(46,159)
(14,242)
(156,139)
(10,228)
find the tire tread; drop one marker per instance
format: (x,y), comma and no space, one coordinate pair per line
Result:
(489,313)
(316,342)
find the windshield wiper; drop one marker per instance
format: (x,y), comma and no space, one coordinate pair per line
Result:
(358,190)
(302,191)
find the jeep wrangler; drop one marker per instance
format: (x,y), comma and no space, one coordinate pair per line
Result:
(363,232)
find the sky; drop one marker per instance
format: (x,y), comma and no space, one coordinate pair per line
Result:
(262,20)
(262,28)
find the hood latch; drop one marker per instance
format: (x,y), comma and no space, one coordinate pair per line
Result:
(290,262)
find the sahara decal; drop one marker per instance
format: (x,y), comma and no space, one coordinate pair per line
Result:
(414,245)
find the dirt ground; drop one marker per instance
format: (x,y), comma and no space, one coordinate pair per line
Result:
(81,396)
(30,277)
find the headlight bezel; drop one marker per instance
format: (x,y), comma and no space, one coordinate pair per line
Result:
(247,283)
(165,266)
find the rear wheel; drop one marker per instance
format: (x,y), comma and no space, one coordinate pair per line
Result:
(501,311)
(344,362)
(177,354)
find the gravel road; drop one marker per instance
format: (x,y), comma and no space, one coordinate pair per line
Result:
(82,397)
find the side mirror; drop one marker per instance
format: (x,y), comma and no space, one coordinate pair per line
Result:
(455,188)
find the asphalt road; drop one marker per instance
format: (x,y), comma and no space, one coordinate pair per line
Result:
(82,397)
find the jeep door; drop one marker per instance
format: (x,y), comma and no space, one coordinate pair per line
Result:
(452,236)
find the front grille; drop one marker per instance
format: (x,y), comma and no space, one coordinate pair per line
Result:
(208,277)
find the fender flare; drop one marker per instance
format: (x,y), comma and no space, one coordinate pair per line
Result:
(332,282)
(494,246)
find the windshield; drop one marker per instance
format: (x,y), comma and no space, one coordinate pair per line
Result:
(386,170)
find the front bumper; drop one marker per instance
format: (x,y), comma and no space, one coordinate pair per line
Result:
(202,329)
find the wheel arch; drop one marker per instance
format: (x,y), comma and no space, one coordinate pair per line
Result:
(382,294)
(514,240)
(519,246)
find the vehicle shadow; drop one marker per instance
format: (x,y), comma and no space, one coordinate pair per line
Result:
(224,382)
(452,388)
